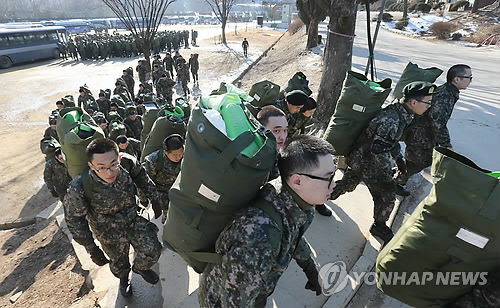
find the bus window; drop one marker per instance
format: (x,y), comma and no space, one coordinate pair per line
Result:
(16,39)
(29,38)
(3,41)
(41,36)
(52,36)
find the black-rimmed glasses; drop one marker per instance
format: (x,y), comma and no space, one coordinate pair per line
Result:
(428,103)
(113,167)
(468,77)
(314,177)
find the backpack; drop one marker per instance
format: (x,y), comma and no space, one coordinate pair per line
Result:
(68,101)
(148,119)
(116,128)
(360,100)
(455,229)
(219,176)
(264,93)
(76,129)
(413,73)
(297,82)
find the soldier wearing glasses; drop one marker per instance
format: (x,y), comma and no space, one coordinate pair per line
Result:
(430,129)
(104,198)
(377,149)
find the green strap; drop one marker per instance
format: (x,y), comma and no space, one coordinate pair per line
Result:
(271,211)
(87,188)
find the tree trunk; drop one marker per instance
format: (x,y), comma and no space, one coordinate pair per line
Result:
(312,33)
(337,59)
(475,6)
(147,54)
(405,9)
(224,31)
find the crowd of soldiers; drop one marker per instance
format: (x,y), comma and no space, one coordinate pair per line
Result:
(105,46)
(301,181)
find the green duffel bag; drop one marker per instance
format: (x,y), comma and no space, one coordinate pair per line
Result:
(48,146)
(297,82)
(148,119)
(68,101)
(76,129)
(163,127)
(264,93)
(116,128)
(216,180)
(229,88)
(456,229)
(413,73)
(186,108)
(359,101)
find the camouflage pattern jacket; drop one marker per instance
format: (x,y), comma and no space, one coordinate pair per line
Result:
(113,203)
(164,87)
(134,128)
(378,145)
(297,124)
(49,132)
(56,176)
(430,129)
(251,263)
(161,170)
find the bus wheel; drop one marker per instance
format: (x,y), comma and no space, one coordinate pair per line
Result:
(5,62)
(56,54)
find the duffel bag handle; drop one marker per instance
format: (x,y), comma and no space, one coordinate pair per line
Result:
(234,148)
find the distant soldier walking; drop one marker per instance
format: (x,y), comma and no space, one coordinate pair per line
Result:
(244,44)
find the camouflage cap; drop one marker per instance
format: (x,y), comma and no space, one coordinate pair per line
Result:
(418,89)
(296,98)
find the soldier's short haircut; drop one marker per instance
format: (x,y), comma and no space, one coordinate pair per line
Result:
(301,154)
(267,112)
(173,142)
(456,70)
(59,103)
(101,146)
(309,105)
(121,139)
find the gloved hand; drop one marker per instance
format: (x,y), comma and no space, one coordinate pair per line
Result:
(156,207)
(400,162)
(97,255)
(313,280)
(54,194)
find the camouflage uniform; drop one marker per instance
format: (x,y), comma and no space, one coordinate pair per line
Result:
(133,148)
(252,262)
(372,159)
(282,105)
(49,132)
(169,65)
(297,124)
(429,130)
(485,296)
(111,213)
(134,128)
(163,172)
(164,88)
(183,74)
(104,105)
(142,70)
(56,177)
(129,80)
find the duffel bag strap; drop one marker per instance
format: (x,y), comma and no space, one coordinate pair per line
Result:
(235,147)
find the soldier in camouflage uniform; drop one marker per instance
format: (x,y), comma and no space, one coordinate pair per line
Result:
(104,198)
(168,63)
(50,132)
(84,100)
(56,175)
(376,149)
(164,88)
(183,74)
(133,123)
(142,70)
(103,103)
(129,80)
(298,121)
(430,129)
(293,102)
(257,246)
(164,165)
(156,73)
(129,145)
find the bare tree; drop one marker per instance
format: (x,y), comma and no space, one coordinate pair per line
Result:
(311,12)
(142,18)
(338,56)
(221,9)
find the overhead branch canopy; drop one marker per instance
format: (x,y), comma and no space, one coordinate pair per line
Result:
(221,9)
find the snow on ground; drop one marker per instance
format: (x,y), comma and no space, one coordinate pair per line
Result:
(416,24)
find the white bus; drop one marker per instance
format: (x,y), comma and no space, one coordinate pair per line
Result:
(19,45)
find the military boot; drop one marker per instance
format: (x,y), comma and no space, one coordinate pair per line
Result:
(125,287)
(382,231)
(401,191)
(148,275)
(323,210)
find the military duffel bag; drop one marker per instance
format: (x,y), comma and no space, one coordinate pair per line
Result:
(76,129)
(359,101)
(264,93)
(413,73)
(48,146)
(216,180)
(454,232)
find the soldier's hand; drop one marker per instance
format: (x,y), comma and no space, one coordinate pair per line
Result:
(156,208)
(98,256)
(54,194)
(315,287)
